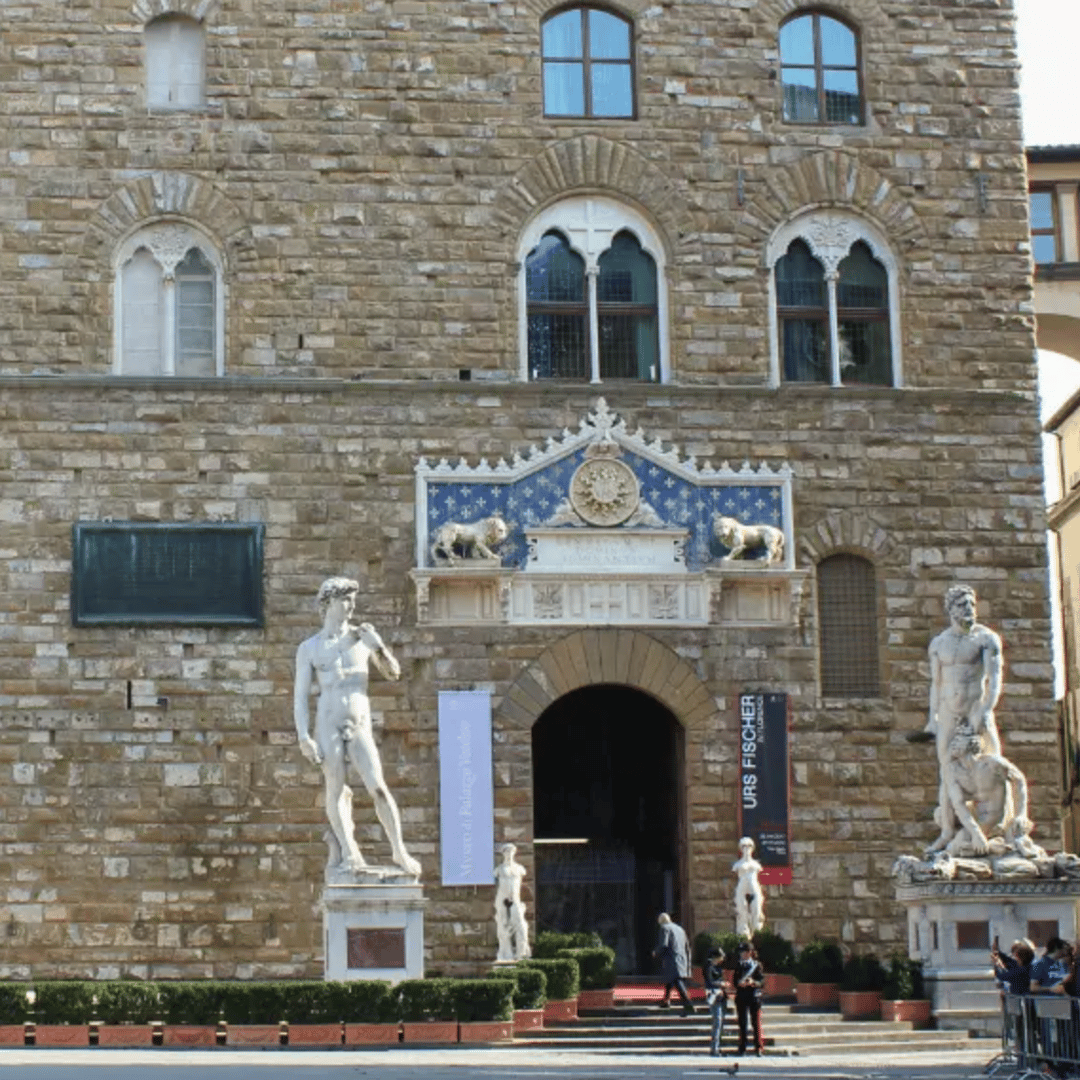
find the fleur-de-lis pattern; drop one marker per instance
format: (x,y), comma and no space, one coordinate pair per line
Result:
(532,500)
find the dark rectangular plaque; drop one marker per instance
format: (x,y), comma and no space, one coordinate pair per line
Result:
(1040,931)
(973,934)
(196,574)
(369,948)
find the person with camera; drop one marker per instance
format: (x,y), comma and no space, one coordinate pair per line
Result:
(716,995)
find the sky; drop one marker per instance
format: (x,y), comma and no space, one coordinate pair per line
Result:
(1048,32)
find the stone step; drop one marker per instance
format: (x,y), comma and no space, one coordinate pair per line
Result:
(788,1030)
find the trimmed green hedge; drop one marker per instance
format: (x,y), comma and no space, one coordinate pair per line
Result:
(704,941)
(596,966)
(482,999)
(530,985)
(563,977)
(125,1001)
(820,962)
(424,999)
(14,1008)
(298,1001)
(863,972)
(65,1001)
(549,943)
(775,952)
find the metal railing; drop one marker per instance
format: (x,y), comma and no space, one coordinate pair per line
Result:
(1040,1036)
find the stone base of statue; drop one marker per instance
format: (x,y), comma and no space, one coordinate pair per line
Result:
(952,926)
(373,926)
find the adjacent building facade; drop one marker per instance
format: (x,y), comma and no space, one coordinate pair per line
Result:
(285,289)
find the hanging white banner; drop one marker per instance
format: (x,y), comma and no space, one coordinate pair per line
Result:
(466,791)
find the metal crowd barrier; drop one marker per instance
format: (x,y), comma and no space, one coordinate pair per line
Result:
(1040,1036)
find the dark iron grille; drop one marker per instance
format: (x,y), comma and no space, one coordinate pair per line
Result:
(847,621)
(804,347)
(558,345)
(128,573)
(865,350)
(628,345)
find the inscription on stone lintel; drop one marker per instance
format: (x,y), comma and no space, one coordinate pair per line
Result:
(368,948)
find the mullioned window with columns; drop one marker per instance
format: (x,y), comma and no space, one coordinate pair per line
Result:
(168,303)
(834,301)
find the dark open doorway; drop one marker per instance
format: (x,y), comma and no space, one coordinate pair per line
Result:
(607,769)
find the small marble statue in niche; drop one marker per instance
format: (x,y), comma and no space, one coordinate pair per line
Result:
(749,897)
(510,924)
(335,661)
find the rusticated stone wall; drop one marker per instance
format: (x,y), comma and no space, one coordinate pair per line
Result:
(181,833)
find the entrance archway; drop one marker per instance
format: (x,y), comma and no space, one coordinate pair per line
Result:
(608,817)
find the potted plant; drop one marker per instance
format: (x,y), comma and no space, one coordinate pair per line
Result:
(596,976)
(903,997)
(14,1010)
(427,1011)
(313,1013)
(563,983)
(485,1009)
(62,1012)
(860,987)
(370,1009)
(818,969)
(777,957)
(191,1011)
(530,994)
(125,1012)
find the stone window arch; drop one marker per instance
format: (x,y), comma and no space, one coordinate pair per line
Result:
(834,302)
(174,48)
(848,627)
(592,294)
(588,63)
(820,70)
(168,303)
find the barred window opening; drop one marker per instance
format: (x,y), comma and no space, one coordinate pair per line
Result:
(848,627)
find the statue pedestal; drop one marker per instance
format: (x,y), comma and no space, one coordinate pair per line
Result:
(952,926)
(373,931)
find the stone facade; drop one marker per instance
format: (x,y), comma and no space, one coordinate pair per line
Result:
(366,172)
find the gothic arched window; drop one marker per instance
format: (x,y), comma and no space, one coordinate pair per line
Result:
(593,294)
(168,303)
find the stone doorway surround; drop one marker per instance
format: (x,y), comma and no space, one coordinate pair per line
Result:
(638,660)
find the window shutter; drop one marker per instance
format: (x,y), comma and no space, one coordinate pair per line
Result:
(848,627)
(175,65)
(141,329)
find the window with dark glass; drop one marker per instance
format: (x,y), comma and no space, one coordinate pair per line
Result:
(557,310)
(803,316)
(848,627)
(1044,233)
(587,62)
(806,301)
(567,320)
(862,312)
(819,71)
(626,310)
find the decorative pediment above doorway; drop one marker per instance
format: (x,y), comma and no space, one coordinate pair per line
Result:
(604,526)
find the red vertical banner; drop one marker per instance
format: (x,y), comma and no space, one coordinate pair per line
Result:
(765,783)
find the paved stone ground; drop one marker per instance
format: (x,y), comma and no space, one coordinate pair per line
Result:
(945,1065)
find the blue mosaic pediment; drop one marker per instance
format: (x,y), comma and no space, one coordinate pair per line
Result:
(534,490)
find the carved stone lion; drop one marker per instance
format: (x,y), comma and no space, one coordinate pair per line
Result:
(468,540)
(741,539)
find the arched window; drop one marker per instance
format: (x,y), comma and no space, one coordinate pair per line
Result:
(819,71)
(848,627)
(175,63)
(593,294)
(168,304)
(835,299)
(588,64)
